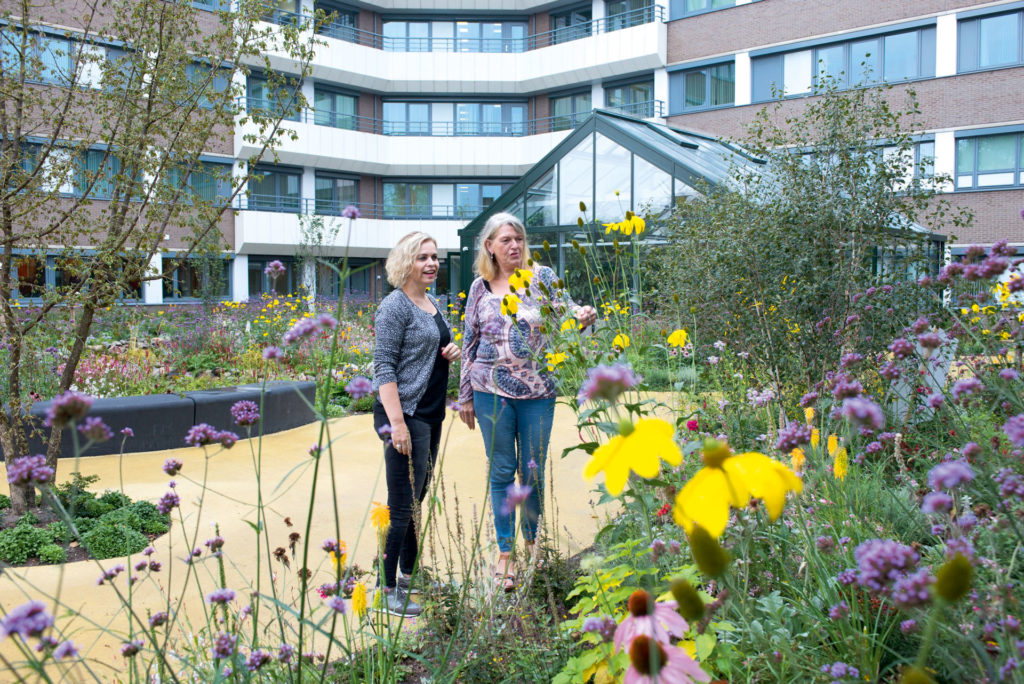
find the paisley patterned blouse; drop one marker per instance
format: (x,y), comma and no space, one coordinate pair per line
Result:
(504,355)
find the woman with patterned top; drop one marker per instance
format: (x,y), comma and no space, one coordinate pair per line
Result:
(504,382)
(410,363)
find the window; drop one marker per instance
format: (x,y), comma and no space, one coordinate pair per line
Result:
(276,189)
(334,193)
(49,59)
(281,11)
(991,42)
(208,182)
(98,174)
(632,98)
(199,76)
(620,14)
(700,6)
(894,57)
(569,111)
(271,99)
(439,200)
(259,281)
(455,118)
(194,278)
(571,24)
(990,161)
(30,273)
(213,5)
(704,88)
(342,24)
(454,36)
(337,110)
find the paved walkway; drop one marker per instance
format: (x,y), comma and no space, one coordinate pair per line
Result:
(231,494)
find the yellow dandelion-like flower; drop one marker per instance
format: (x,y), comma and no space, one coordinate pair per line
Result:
(677,338)
(638,448)
(554,360)
(380,515)
(510,305)
(621,341)
(520,278)
(359,600)
(570,324)
(729,479)
(637,224)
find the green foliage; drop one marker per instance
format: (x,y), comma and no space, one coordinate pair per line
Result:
(29,518)
(59,531)
(21,542)
(69,493)
(114,498)
(152,521)
(5,502)
(52,554)
(110,541)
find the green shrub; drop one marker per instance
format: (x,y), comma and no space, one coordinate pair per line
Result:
(115,499)
(59,531)
(108,541)
(68,493)
(153,522)
(52,554)
(5,501)
(122,516)
(21,542)
(29,518)
(83,524)
(92,507)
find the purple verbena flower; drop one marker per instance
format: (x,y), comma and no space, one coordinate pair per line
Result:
(1014,429)
(223,646)
(515,494)
(275,269)
(936,502)
(65,649)
(127,432)
(839,671)
(172,466)
(603,626)
(935,400)
(30,470)
(890,371)
(67,408)
(201,435)
(1009,374)
(908,626)
(970,450)
(227,438)
(913,589)
(845,388)
(337,604)
(300,330)
(220,596)
(839,611)
(851,359)
(607,382)
(950,475)
(794,435)
(881,562)
(350,212)
(214,543)
(95,430)
(245,413)
(130,648)
(285,654)
(847,577)
(658,549)
(930,340)
(960,545)
(157,619)
(808,399)
(168,502)
(272,353)
(257,659)
(359,387)
(901,348)
(27,620)
(864,412)
(965,388)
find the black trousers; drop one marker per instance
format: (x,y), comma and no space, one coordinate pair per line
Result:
(408,476)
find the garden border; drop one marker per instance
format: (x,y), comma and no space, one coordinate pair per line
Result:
(160,421)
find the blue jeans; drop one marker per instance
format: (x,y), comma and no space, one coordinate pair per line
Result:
(516,432)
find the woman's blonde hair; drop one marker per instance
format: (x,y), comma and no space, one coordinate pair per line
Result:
(485,265)
(402,255)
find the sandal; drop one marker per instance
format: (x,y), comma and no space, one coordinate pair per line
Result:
(506,577)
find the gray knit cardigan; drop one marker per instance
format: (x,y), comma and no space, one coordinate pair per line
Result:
(408,342)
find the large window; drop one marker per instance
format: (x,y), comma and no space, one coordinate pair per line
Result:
(991,42)
(271,99)
(334,193)
(208,182)
(212,83)
(892,58)
(454,36)
(987,161)
(276,189)
(632,98)
(703,88)
(195,278)
(455,118)
(48,59)
(700,6)
(334,109)
(620,14)
(571,24)
(439,200)
(569,111)
(98,174)
(342,24)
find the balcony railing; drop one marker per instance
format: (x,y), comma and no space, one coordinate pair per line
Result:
(351,34)
(325,207)
(511,129)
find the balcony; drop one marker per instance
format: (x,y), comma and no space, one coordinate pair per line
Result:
(604,48)
(356,144)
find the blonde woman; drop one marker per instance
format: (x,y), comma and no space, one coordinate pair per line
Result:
(505,387)
(413,349)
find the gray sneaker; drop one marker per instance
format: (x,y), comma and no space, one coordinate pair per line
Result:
(404,583)
(397,602)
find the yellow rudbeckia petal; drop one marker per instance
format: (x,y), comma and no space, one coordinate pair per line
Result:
(704,501)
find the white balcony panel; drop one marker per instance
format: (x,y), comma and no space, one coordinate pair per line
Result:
(338,149)
(265,232)
(626,51)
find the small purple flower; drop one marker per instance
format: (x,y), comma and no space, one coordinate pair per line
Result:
(272,353)
(873,447)
(971,450)
(1009,374)
(172,466)
(851,359)
(901,348)
(607,382)
(214,544)
(930,340)
(168,502)
(245,413)
(453,405)
(964,389)
(127,432)
(201,435)
(883,561)
(759,399)
(515,494)
(130,648)
(29,620)
(350,212)
(890,371)
(920,325)
(967,521)
(300,330)
(65,649)
(1014,429)
(935,400)
(839,611)
(847,577)
(220,596)
(223,646)
(326,321)
(713,360)
(603,626)
(30,470)
(275,269)
(913,589)
(330,546)
(825,544)
(864,412)
(936,502)
(359,387)
(840,670)
(227,438)
(157,619)
(257,659)
(532,465)
(950,475)
(808,399)
(285,654)
(337,604)
(794,435)
(845,388)
(960,545)
(67,408)
(908,626)
(658,549)
(95,430)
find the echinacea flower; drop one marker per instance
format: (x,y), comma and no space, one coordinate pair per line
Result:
(651,662)
(657,620)
(638,448)
(729,479)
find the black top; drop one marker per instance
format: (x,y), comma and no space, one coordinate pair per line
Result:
(431,407)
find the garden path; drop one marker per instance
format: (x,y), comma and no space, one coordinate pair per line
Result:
(229,502)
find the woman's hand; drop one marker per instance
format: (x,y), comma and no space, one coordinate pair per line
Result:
(586,315)
(401,439)
(451,352)
(468,415)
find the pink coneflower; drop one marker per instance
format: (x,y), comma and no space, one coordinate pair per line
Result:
(651,662)
(647,618)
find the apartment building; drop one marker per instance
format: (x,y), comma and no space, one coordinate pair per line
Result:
(727,59)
